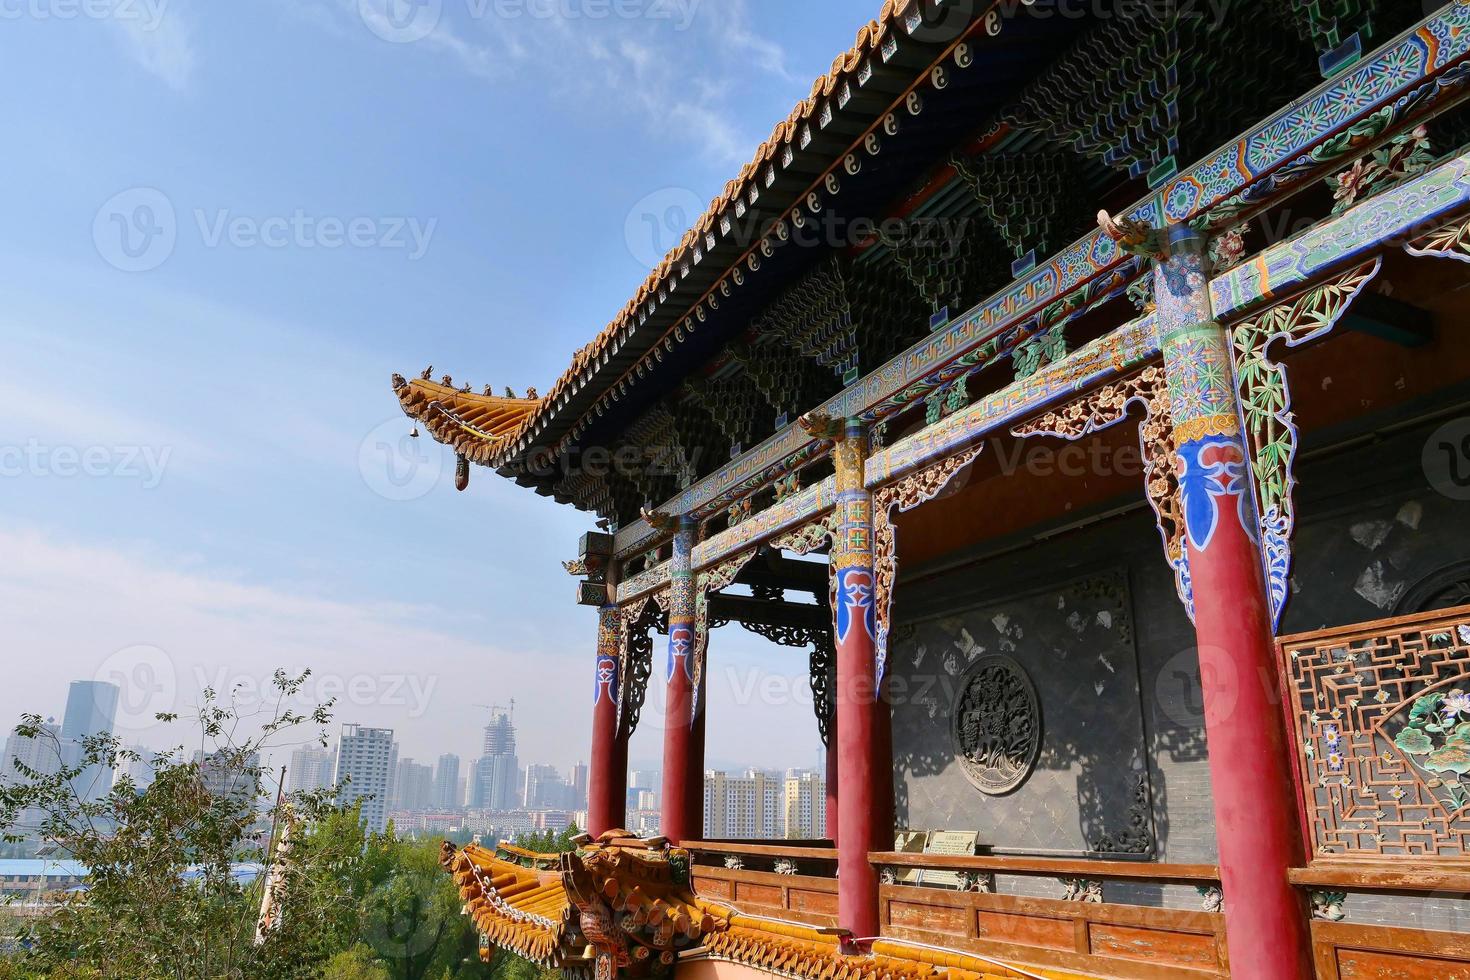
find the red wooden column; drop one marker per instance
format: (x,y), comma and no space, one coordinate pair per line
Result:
(608,771)
(683,765)
(832,777)
(1255,800)
(694,772)
(860,773)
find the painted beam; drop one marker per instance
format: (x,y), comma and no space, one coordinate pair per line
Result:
(1392,218)
(1396,216)
(1401,81)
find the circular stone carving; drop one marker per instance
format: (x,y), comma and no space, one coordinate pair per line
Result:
(996,725)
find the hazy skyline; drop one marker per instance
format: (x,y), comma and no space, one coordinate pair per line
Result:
(228,225)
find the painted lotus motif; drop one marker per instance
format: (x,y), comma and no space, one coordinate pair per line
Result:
(1437,741)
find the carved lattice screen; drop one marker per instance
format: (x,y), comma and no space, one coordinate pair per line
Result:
(1380,717)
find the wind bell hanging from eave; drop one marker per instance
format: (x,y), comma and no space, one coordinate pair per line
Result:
(461,472)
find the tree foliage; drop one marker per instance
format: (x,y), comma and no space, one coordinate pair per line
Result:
(164,898)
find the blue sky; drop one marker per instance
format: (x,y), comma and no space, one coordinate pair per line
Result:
(226,224)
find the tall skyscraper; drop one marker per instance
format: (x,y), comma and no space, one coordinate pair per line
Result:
(310,769)
(579,786)
(91,708)
(39,755)
(366,760)
(496,784)
(543,788)
(413,786)
(447,792)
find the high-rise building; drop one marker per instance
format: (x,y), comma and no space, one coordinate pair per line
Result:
(141,770)
(413,786)
(91,708)
(579,785)
(310,769)
(366,760)
(543,788)
(806,805)
(41,756)
(748,806)
(230,777)
(495,783)
(37,753)
(447,792)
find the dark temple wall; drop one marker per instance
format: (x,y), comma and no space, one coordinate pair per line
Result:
(1092,618)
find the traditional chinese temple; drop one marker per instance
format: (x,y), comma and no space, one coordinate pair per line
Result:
(1084,389)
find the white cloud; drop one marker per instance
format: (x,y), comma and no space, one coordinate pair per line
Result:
(167,625)
(671,71)
(160,44)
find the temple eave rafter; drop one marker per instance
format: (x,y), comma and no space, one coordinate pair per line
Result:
(477,426)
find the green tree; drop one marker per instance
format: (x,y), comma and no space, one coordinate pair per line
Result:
(412,915)
(357,963)
(162,897)
(549,841)
(163,900)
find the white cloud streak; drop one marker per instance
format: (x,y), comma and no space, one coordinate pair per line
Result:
(672,70)
(168,625)
(160,43)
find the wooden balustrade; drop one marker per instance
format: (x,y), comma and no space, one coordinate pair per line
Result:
(792,881)
(1346,950)
(797,851)
(1400,877)
(1080,932)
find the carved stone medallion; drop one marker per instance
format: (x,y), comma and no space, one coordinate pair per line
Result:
(996,725)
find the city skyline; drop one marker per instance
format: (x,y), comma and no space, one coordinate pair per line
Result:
(368,765)
(312,766)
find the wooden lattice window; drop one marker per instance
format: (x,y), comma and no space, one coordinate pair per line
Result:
(1380,717)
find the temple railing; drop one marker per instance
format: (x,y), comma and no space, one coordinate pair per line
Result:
(1127,919)
(1423,895)
(792,880)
